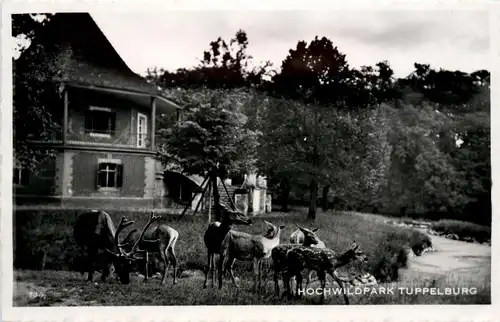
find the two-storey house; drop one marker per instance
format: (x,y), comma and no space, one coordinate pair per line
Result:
(106,153)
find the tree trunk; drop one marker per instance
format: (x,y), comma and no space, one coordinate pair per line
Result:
(324,200)
(313,189)
(215,191)
(285,194)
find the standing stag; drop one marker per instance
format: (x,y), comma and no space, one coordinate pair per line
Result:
(215,233)
(278,254)
(322,260)
(94,231)
(246,247)
(160,239)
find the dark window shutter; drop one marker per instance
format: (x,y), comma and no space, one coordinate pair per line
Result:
(119,176)
(97,179)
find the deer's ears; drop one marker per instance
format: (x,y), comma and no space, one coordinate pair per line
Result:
(354,245)
(315,230)
(268,223)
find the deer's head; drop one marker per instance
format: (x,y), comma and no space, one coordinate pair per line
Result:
(123,260)
(355,252)
(273,231)
(234,216)
(310,237)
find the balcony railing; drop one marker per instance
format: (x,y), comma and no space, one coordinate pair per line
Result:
(123,140)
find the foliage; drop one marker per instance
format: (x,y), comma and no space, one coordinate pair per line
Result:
(417,145)
(462,229)
(422,178)
(211,135)
(33,87)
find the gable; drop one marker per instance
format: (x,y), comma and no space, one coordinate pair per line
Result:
(84,56)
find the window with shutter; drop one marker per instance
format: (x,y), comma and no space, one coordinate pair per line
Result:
(109,174)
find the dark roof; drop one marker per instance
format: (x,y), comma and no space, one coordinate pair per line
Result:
(84,55)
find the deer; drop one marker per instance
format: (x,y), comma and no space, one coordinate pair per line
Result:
(93,231)
(297,237)
(215,233)
(322,260)
(162,240)
(246,247)
(278,254)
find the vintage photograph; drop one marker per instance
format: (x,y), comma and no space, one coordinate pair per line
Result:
(294,157)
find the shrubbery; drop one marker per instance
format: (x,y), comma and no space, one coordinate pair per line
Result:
(462,229)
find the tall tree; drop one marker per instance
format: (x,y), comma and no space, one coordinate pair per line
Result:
(34,92)
(211,139)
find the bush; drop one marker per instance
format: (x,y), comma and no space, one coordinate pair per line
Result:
(394,253)
(51,233)
(463,229)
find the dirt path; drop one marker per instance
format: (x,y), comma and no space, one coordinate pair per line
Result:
(458,261)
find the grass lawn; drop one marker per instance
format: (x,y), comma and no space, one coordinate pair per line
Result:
(51,233)
(63,288)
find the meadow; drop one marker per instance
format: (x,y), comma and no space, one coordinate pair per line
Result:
(47,261)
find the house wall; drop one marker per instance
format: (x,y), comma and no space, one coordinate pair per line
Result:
(125,122)
(84,181)
(43,182)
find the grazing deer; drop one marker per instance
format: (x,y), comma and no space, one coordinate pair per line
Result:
(160,239)
(322,260)
(215,233)
(278,254)
(297,237)
(245,247)
(94,230)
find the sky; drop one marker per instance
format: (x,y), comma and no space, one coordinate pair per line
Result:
(444,39)
(449,39)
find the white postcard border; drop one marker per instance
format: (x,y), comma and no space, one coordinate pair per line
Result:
(216,313)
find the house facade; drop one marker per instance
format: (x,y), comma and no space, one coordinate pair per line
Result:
(105,148)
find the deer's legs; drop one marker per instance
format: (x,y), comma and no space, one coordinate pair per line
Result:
(261,267)
(91,256)
(275,278)
(256,273)
(173,259)
(309,277)
(146,267)
(322,278)
(166,264)
(221,269)
(230,263)
(105,270)
(346,299)
(209,266)
(214,271)
(298,282)
(286,283)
